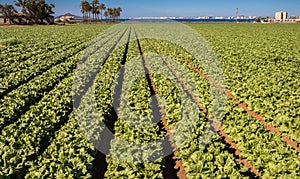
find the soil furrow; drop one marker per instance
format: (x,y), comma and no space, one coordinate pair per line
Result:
(100,164)
(216,125)
(90,81)
(252,113)
(174,167)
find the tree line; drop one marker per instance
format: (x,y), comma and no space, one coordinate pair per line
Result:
(98,10)
(34,11)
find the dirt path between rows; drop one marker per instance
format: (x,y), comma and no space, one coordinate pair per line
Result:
(217,126)
(255,115)
(174,167)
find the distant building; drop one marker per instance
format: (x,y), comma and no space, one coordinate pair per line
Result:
(18,18)
(3,20)
(219,17)
(281,16)
(68,17)
(204,17)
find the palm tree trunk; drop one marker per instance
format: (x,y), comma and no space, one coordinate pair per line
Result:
(86,17)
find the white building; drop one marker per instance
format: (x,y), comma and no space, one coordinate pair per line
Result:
(67,17)
(281,16)
(219,17)
(204,17)
(3,20)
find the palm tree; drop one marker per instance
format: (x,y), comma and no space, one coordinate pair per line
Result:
(97,14)
(85,9)
(114,13)
(89,10)
(106,14)
(110,13)
(118,12)
(101,8)
(94,8)
(82,5)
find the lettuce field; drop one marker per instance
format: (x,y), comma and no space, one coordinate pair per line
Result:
(146,89)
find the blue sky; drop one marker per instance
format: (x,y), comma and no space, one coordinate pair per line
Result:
(135,8)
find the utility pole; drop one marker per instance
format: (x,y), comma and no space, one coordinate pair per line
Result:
(237,14)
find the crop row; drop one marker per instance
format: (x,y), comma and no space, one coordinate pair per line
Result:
(36,59)
(132,133)
(260,72)
(278,153)
(109,58)
(21,60)
(194,137)
(122,129)
(19,100)
(28,141)
(30,116)
(135,134)
(28,46)
(42,137)
(59,51)
(94,57)
(23,76)
(26,138)
(70,154)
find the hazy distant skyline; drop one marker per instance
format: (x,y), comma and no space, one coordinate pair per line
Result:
(139,8)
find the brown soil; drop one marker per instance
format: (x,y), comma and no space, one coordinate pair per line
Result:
(174,167)
(10,26)
(255,115)
(181,173)
(237,151)
(217,126)
(100,164)
(292,143)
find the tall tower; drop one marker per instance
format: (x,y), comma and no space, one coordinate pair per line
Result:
(237,14)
